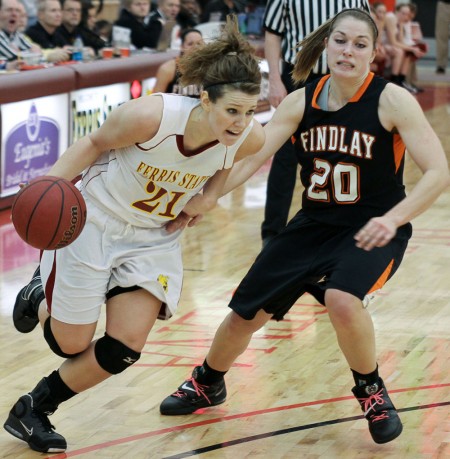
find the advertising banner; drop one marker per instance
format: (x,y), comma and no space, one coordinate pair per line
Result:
(34,135)
(90,107)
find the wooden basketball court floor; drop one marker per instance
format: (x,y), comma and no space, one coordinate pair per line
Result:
(289,394)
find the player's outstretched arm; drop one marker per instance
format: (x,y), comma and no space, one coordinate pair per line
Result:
(278,130)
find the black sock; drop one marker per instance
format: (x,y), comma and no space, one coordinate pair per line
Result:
(365,380)
(395,79)
(207,375)
(59,390)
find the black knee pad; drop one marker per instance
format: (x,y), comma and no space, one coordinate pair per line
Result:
(54,346)
(113,356)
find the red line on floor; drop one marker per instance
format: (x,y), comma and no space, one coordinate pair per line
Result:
(205,422)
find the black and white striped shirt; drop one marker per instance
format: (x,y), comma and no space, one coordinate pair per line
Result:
(11,45)
(295,19)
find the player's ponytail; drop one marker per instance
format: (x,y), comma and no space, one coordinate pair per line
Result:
(228,61)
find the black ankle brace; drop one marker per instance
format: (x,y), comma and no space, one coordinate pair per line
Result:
(43,400)
(59,390)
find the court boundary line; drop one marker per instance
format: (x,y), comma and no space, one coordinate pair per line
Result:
(207,449)
(216,420)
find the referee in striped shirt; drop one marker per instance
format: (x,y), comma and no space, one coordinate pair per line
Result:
(286,23)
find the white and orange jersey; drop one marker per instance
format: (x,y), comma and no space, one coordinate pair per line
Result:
(148,184)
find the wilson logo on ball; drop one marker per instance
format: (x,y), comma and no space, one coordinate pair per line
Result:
(49,213)
(68,234)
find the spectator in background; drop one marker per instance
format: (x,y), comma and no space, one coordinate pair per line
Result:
(12,42)
(281,37)
(88,15)
(31,10)
(394,26)
(379,63)
(88,20)
(164,22)
(394,54)
(412,35)
(103,29)
(71,27)
(189,15)
(218,10)
(23,18)
(45,32)
(71,20)
(442,34)
(133,16)
(168,75)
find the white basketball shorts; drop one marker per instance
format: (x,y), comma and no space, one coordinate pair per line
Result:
(111,253)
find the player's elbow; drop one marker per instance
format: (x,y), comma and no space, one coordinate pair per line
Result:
(441,177)
(446,179)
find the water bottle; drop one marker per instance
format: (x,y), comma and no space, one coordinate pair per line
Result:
(77,53)
(242,21)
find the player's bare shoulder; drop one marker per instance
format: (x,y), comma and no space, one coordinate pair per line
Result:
(396,105)
(145,114)
(148,108)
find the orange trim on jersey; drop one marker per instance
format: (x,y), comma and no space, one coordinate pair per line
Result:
(383,278)
(362,88)
(399,150)
(317,91)
(355,98)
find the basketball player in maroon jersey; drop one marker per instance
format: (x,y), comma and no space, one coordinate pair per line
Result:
(139,169)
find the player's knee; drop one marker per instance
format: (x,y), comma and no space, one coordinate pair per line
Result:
(53,344)
(237,325)
(343,307)
(114,356)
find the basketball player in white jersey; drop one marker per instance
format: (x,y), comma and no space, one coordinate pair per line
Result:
(139,169)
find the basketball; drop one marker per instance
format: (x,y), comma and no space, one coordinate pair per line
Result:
(49,213)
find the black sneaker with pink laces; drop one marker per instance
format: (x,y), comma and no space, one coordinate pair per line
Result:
(192,395)
(380,412)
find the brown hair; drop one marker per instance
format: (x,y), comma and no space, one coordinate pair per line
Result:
(312,46)
(228,62)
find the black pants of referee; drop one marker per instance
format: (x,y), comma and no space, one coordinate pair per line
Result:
(282,175)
